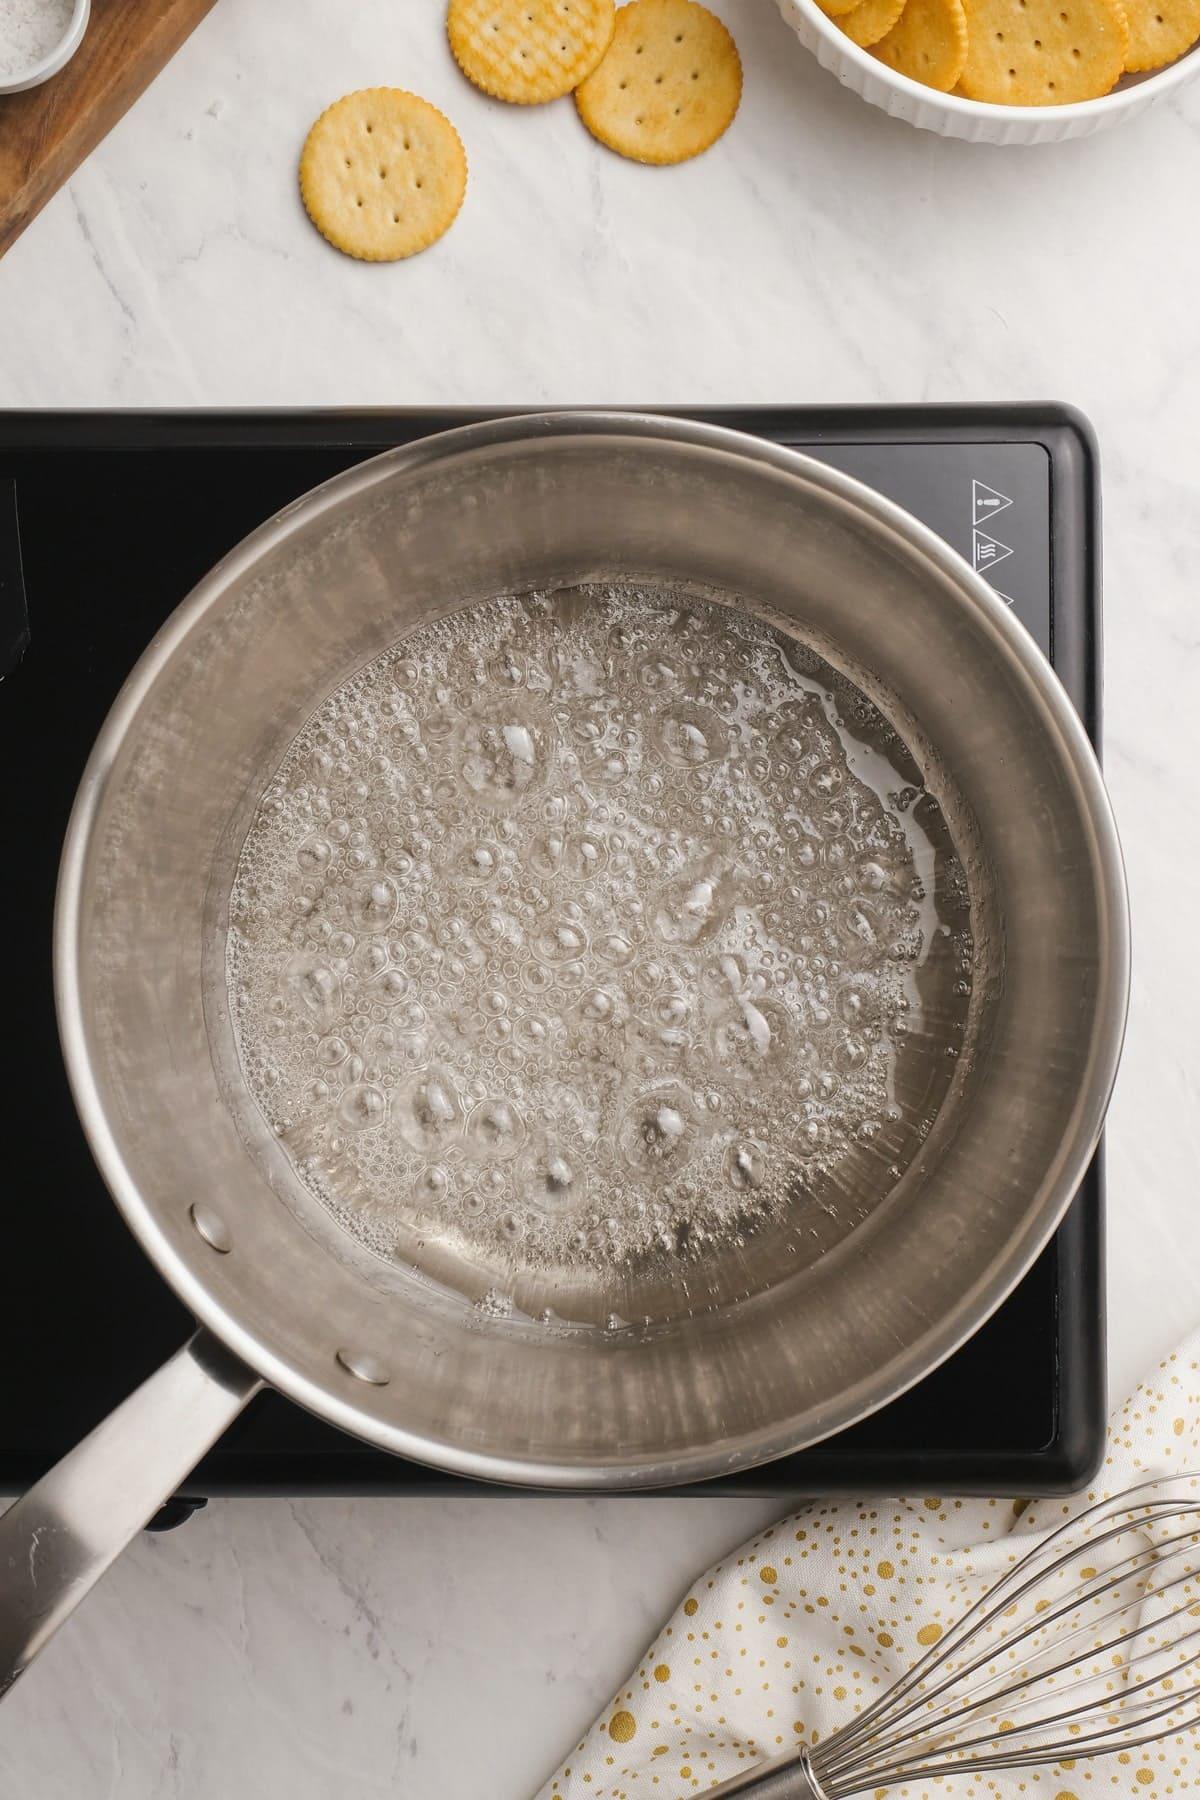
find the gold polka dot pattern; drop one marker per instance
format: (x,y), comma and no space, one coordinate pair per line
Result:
(791,1636)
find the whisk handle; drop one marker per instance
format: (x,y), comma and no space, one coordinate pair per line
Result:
(789,1777)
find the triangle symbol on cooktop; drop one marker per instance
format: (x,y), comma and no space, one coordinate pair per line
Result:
(989,550)
(986,502)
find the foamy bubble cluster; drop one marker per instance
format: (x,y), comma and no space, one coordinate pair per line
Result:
(578,929)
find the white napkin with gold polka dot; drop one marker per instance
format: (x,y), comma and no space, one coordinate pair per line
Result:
(792,1635)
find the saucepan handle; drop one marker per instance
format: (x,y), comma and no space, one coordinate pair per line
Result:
(58,1540)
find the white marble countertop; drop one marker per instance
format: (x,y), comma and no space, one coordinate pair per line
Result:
(450,1650)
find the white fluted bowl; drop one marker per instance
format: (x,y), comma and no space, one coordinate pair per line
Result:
(979,122)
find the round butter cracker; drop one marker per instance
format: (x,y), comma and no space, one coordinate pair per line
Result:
(928,43)
(668,86)
(382,174)
(529,51)
(870,20)
(1044,52)
(1160,30)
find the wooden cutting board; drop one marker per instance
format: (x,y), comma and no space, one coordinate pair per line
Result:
(46,132)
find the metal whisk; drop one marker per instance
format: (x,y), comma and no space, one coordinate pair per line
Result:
(1088,1645)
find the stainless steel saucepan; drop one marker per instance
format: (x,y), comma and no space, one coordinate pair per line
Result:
(283,1296)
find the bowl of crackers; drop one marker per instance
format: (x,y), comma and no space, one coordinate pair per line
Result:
(1004,71)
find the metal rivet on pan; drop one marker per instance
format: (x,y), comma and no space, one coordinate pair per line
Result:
(357,1362)
(212,1228)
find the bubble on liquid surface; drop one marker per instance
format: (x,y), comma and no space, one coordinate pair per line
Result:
(532,1033)
(552,1179)
(314,854)
(362,1106)
(559,941)
(502,753)
(428,1111)
(659,1133)
(432,1185)
(600,1007)
(751,1037)
(314,986)
(495,1129)
(692,909)
(745,1166)
(547,857)
(374,904)
(585,856)
(371,959)
(389,988)
(723,975)
(615,949)
(576,929)
(661,673)
(857,1002)
(477,861)
(690,736)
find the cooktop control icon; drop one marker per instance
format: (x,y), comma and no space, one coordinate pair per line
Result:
(986,502)
(986,550)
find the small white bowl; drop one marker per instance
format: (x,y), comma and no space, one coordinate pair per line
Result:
(54,60)
(975,120)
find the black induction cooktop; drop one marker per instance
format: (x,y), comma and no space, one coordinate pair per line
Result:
(106,521)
